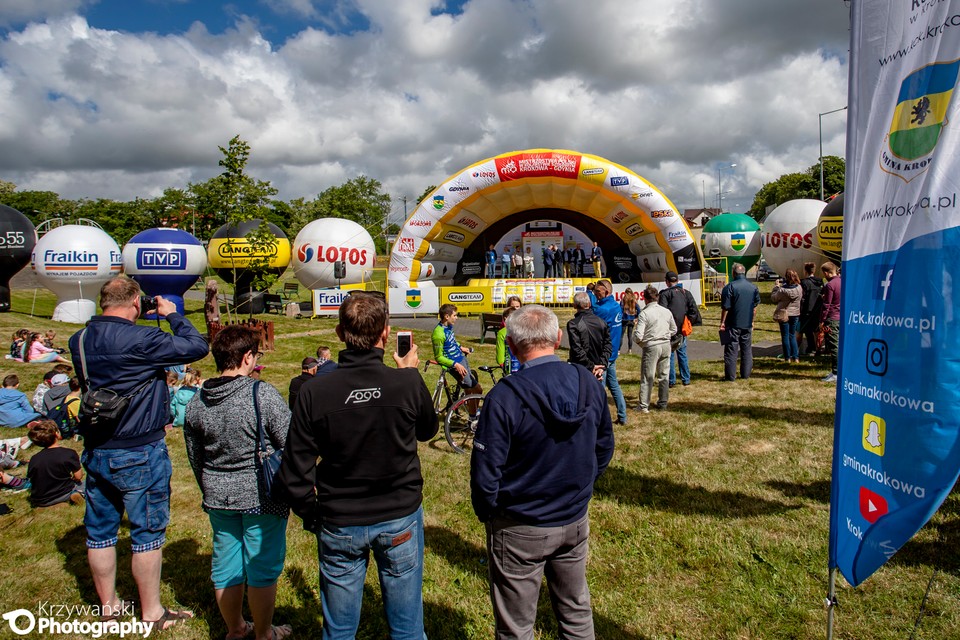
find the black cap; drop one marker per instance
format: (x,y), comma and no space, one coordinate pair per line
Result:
(672,276)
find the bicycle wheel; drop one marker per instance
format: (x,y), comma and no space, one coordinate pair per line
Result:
(457,427)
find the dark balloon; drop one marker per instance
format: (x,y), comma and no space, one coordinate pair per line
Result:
(18,237)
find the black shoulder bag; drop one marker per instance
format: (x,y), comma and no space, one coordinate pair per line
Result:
(98,406)
(269,463)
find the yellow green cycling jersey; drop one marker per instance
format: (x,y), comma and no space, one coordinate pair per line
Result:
(446,349)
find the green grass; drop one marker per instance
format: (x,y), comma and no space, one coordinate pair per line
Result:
(711,522)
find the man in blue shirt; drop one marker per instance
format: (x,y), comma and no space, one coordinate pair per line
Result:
(610,311)
(543,440)
(491,262)
(595,255)
(738,308)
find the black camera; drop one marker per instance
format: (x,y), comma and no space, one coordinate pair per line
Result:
(148,304)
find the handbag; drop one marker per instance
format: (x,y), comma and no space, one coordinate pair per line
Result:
(269,463)
(687,327)
(101,405)
(780,315)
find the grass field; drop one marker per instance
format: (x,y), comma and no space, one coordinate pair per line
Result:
(711,522)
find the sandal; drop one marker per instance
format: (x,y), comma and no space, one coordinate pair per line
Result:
(249,632)
(173,617)
(280,632)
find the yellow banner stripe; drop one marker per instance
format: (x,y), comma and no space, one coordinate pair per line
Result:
(903,114)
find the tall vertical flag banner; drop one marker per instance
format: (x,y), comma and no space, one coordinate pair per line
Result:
(897,432)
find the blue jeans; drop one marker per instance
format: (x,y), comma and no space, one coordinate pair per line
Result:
(680,355)
(610,379)
(505,270)
(788,338)
(491,270)
(133,480)
(397,547)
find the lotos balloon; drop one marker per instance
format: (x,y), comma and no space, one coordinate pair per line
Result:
(789,236)
(830,229)
(165,262)
(17,239)
(74,261)
(735,236)
(322,243)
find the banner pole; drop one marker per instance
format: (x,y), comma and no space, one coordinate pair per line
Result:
(831,601)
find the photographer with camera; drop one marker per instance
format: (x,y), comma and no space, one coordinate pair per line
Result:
(125,457)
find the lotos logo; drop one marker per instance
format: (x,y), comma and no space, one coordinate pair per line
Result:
(467,296)
(619,181)
(305,253)
(345,254)
(453,236)
(661,213)
(438,202)
(359,396)
(484,174)
(786,239)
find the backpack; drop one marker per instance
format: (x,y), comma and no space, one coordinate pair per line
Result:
(61,415)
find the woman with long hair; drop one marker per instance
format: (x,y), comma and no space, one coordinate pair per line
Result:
(787,294)
(36,351)
(629,305)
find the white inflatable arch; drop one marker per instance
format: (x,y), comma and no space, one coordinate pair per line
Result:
(640,231)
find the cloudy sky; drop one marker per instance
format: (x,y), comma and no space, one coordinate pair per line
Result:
(123,98)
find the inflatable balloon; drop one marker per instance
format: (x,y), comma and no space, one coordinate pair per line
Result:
(734,236)
(322,243)
(165,262)
(17,239)
(74,261)
(789,236)
(830,230)
(230,253)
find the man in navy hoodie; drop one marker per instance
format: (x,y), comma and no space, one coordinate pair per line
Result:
(543,439)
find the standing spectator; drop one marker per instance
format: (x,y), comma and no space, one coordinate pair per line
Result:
(580,258)
(558,261)
(308,369)
(655,327)
(596,255)
(528,263)
(738,308)
(325,363)
(55,473)
(183,396)
(548,261)
(366,492)
(810,305)
(830,316)
(787,294)
(15,409)
(682,305)
(629,309)
(129,359)
(507,362)
(249,528)
(608,310)
(589,337)
(491,262)
(543,440)
(506,261)
(517,264)
(569,262)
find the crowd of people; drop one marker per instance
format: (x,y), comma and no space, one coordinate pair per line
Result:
(360,490)
(556,261)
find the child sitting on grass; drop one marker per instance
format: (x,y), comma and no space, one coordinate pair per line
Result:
(55,473)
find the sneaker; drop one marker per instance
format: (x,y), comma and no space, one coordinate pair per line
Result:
(16,485)
(644,410)
(830,378)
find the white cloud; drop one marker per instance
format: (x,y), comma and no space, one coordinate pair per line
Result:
(670,90)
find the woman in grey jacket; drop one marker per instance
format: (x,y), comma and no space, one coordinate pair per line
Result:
(249,529)
(787,294)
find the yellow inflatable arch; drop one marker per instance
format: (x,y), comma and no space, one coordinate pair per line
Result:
(543,194)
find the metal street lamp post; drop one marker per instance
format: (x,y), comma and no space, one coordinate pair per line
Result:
(719,191)
(820,119)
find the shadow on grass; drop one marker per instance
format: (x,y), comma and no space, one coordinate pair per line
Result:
(667,495)
(818,490)
(72,546)
(459,553)
(822,419)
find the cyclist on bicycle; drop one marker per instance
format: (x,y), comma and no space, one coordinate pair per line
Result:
(505,358)
(448,352)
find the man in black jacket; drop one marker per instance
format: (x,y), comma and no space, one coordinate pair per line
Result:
(363,421)
(308,369)
(681,304)
(589,337)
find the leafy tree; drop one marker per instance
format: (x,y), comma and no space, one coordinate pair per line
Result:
(806,184)
(7,188)
(39,205)
(120,220)
(360,200)
(426,192)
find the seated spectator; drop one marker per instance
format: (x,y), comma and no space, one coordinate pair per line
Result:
(18,344)
(9,449)
(15,409)
(325,362)
(183,395)
(49,339)
(60,387)
(55,473)
(13,484)
(41,390)
(38,352)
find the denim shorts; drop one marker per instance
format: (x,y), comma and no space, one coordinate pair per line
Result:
(133,480)
(246,548)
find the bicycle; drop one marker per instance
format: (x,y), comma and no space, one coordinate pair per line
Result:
(455,413)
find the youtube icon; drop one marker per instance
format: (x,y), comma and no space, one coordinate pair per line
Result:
(872,505)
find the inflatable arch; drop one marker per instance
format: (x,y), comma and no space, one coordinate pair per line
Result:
(640,231)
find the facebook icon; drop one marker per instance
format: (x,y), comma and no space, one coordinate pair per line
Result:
(884,278)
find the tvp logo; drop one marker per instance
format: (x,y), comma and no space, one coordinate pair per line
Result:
(174,259)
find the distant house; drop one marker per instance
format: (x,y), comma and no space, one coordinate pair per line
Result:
(699,217)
